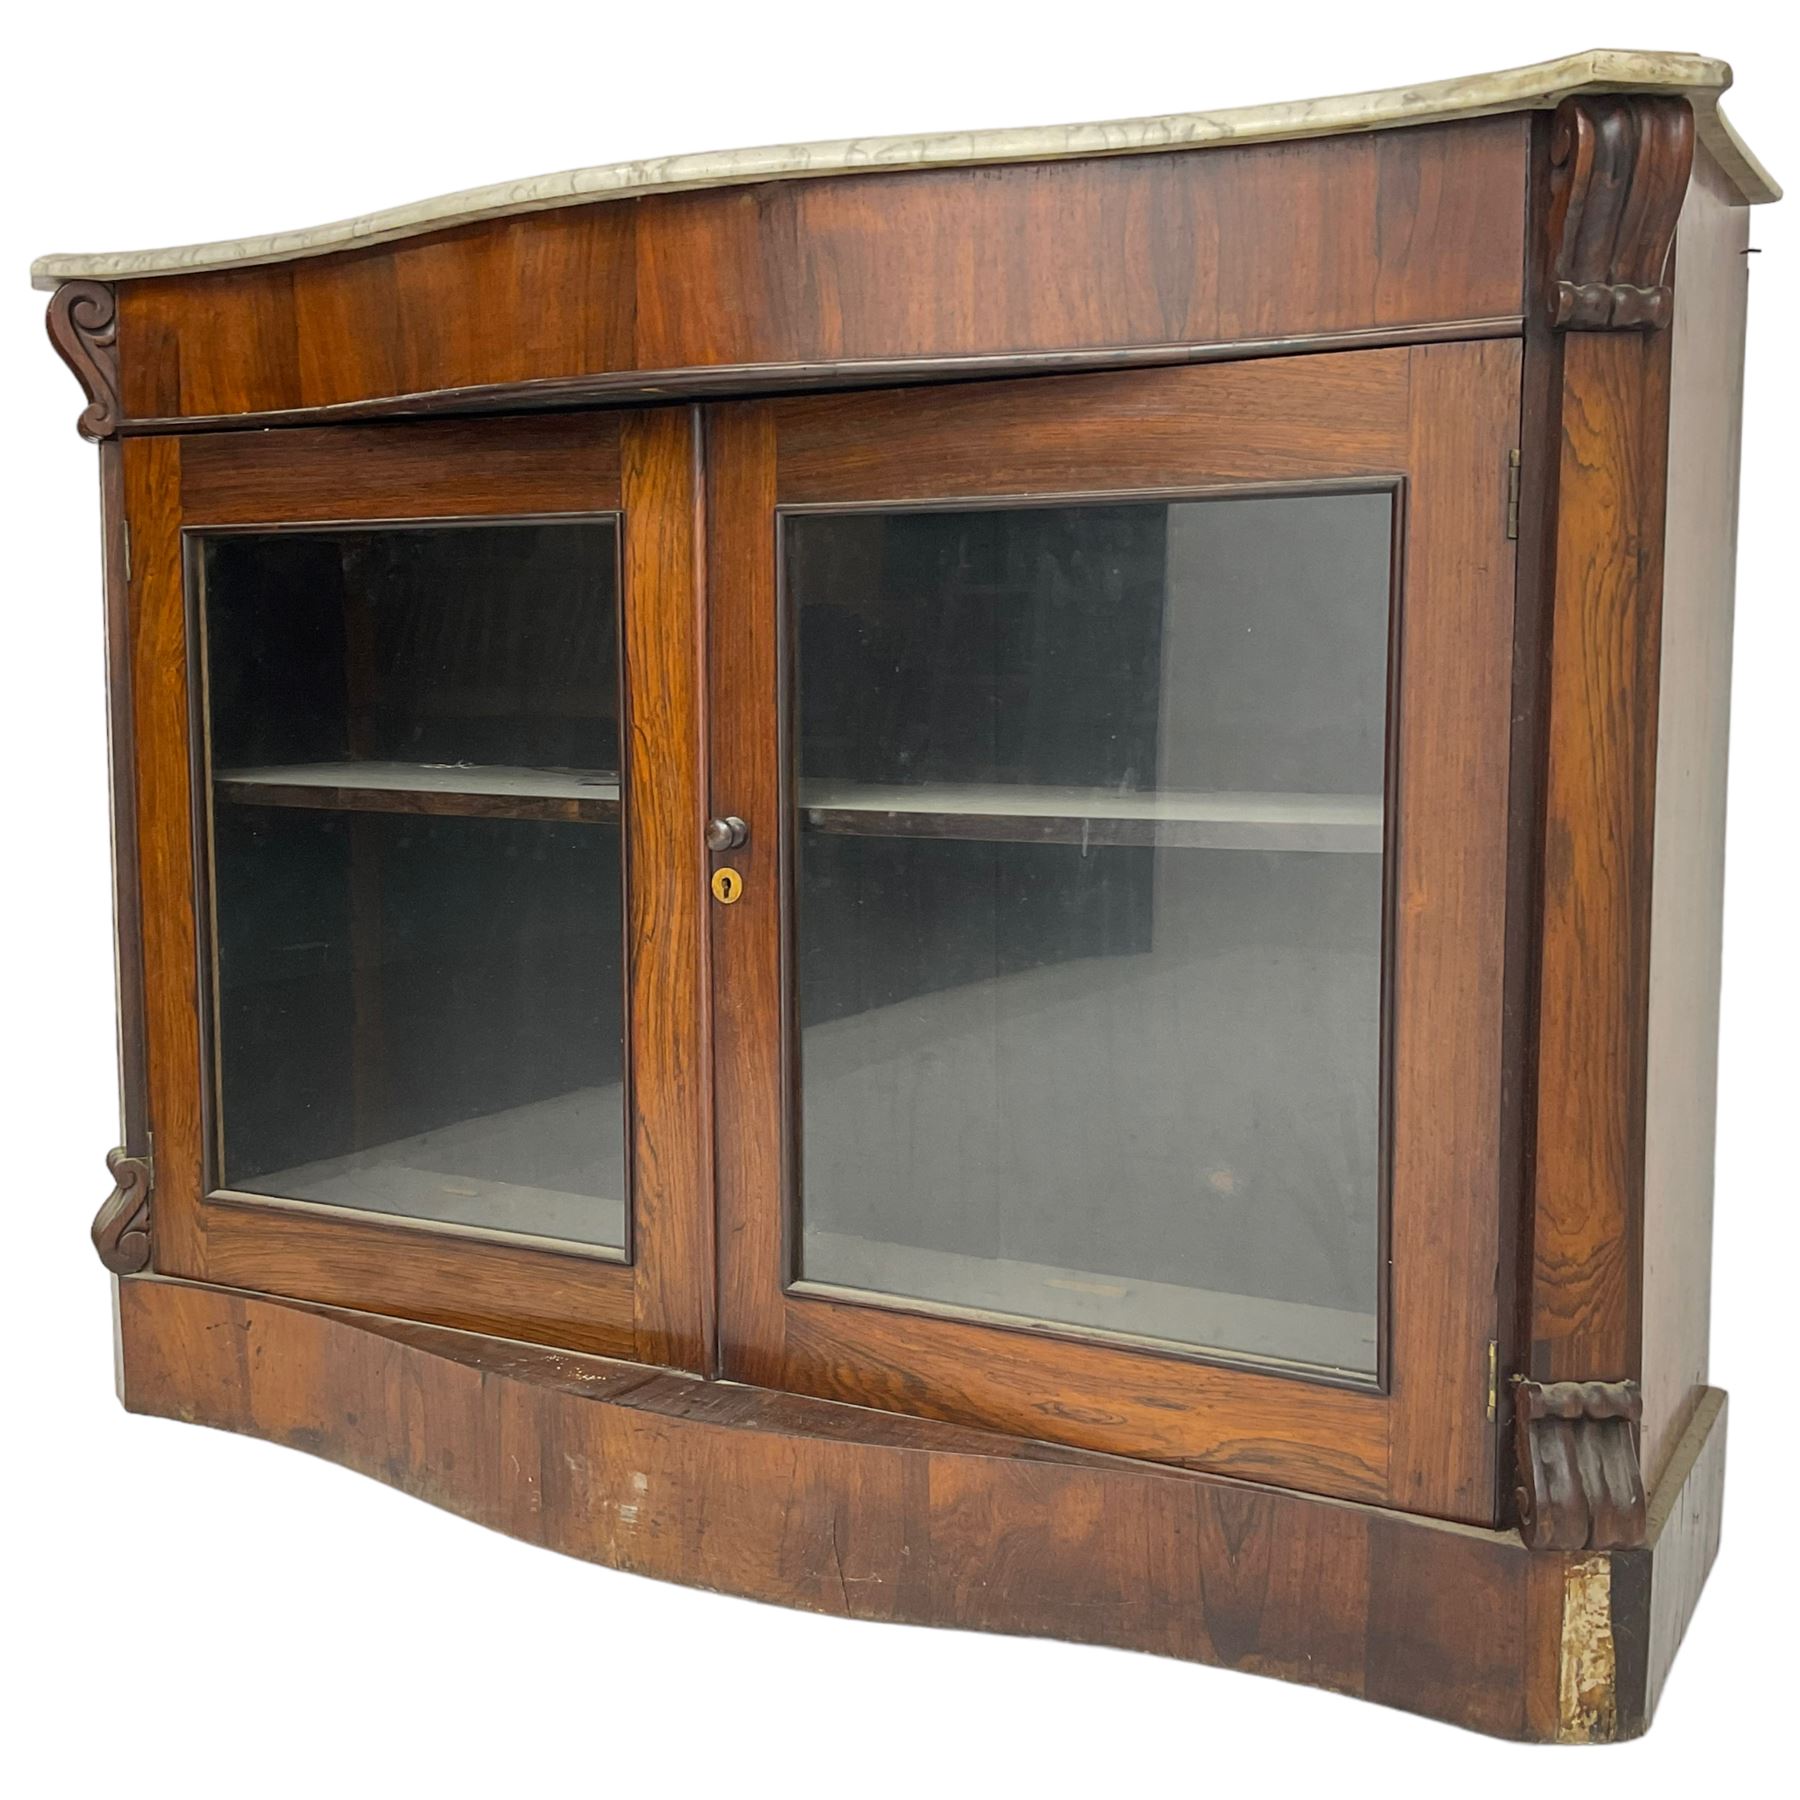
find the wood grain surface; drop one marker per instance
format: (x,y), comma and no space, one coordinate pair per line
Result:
(1598,827)
(665,893)
(1397,228)
(865,1515)
(1450,947)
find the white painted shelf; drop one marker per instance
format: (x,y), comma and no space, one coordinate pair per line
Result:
(996,812)
(1071,815)
(492,790)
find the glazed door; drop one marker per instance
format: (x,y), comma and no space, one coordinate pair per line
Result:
(397,689)
(1108,1020)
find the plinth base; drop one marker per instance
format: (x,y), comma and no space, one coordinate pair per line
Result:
(871,1515)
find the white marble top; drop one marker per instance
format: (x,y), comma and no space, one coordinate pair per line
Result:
(1540,85)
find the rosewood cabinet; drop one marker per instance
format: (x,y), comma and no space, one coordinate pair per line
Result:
(1002,870)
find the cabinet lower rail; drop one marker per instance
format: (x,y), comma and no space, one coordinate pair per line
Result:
(867,1515)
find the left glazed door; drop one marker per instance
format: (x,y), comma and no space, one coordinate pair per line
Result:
(390,687)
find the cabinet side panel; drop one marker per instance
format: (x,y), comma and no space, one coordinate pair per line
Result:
(1687,889)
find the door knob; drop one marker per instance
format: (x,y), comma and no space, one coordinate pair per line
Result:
(726,833)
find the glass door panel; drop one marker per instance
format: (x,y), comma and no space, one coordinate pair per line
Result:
(414,782)
(1129,865)
(1089,914)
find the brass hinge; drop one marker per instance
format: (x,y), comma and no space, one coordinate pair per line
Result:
(1493,1378)
(1512,493)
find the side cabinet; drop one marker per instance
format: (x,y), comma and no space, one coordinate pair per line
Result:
(983,892)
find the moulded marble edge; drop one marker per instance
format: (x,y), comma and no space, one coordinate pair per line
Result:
(1538,86)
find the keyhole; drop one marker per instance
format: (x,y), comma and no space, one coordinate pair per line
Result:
(727,886)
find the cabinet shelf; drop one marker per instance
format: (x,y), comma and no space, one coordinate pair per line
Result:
(1009,813)
(468,791)
(1002,813)
(997,813)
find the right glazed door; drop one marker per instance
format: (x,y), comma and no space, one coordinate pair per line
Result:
(1108,1019)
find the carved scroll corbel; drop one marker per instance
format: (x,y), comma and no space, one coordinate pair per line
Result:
(122,1225)
(1619,168)
(1579,1483)
(83,321)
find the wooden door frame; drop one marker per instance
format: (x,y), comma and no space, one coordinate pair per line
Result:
(1439,420)
(657,1306)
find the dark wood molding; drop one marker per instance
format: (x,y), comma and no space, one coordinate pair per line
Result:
(1579,1483)
(1618,172)
(635,387)
(121,1229)
(83,321)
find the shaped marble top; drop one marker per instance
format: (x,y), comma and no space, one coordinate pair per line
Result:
(1538,86)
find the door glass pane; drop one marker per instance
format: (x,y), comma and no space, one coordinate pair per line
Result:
(1089,914)
(414,771)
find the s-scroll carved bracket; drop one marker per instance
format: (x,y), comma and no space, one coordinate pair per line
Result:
(83,321)
(1619,168)
(122,1225)
(1579,1483)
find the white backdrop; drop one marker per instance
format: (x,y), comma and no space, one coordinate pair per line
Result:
(205,1615)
